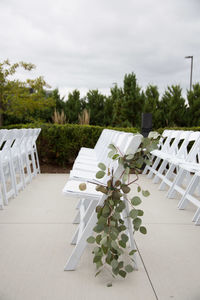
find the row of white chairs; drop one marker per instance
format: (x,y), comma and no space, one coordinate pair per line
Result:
(84,170)
(19,161)
(176,165)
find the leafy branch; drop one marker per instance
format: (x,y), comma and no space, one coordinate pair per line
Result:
(111,237)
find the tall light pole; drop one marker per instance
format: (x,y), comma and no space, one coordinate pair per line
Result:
(191,57)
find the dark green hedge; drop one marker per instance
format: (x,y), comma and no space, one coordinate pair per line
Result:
(59,144)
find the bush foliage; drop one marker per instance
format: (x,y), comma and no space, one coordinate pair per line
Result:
(59,144)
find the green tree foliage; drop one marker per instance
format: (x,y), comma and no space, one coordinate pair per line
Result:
(95,105)
(193,97)
(73,107)
(22,101)
(173,107)
(152,105)
(133,100)
(59,101)
(117,100)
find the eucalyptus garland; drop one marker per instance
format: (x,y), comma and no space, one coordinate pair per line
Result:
(110,236)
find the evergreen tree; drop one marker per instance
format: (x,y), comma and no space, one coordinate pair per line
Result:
(73,107)
(95,105)
(173,107)
(193,97)
(152,105)
(117,99)
(132,101)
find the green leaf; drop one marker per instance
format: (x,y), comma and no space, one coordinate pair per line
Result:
(143,230)
(117,183)
(122,273)
(111,202)
(122,228)
(124,237)
(112,147)
(133,213)
(96,250)
(121,264)
(102,220)
(91,240)
(98,228)
(104,241)
(122,244)
(109,284)
(125,177)
(137,222)
(112,223)
(114,245)
(114,263)
(116,195)
(99,264)
(115,271)
(145,193)
(136,201)
(139,189)
(97,258)
(127,170)
(132,252)
(82,186)
(140,212)
(129,268)
(116,215)
(115,156)
(126,189)
(102,189)
(113,235)
(130,156)
(106,211)
(102,166)
(110,154)
(120,207)
(104,248)
(98,209)
(100,174)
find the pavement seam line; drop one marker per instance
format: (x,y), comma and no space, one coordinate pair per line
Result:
(147,273)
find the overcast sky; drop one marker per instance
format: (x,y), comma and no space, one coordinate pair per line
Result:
(91,44)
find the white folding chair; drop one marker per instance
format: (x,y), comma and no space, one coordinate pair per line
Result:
(17,160)
(120,140)
(192,195)
(6,166)
(180,137)
(185,154)
(87,224)
(168,148)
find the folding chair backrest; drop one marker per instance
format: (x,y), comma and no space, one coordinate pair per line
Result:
(173,142)
(189,145)
(2,137)
(133,142)
(181,145)
(8,140)
(164,139)
(18,134)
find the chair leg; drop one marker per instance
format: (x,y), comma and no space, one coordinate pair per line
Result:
(160,171)
(179,178)
(80,246)
(154,166)
(130,231)
(190,190)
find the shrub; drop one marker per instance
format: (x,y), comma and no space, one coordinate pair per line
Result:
(59,144)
